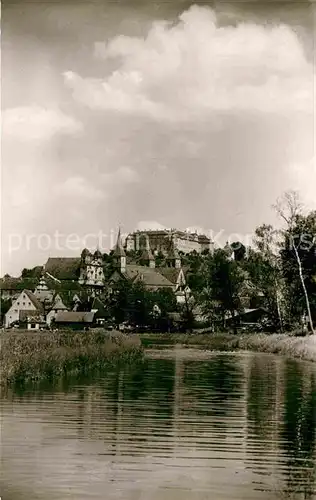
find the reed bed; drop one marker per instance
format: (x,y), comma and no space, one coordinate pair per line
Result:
(286,344)
(27,356)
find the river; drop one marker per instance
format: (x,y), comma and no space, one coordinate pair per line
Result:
(184,424)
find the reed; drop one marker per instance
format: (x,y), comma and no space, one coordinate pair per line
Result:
(285,344)
(26,356)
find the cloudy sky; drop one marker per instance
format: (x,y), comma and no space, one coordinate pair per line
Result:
(150,113)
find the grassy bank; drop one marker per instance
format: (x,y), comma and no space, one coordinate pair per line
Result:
(298,347)
(26,356)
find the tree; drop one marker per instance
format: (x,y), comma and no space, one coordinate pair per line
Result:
(4,307)
(263,265)
(289,208)
(223,281)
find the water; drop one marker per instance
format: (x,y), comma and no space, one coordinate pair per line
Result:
(183,425)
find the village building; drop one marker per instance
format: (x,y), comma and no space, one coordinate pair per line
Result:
(74,320)
(31,320)
(159,241)
(27,304)
(58,305)
(91,270)
(86,271)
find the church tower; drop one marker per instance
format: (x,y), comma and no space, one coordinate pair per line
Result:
(174,259)
(119,254)
(147,258)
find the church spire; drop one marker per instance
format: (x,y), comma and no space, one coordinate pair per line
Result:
(119,253)
(147,257)
(174,259)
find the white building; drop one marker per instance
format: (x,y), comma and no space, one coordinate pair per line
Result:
(161,241)
(24,306)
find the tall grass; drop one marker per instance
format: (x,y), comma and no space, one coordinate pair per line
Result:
(36,356)
(288,345)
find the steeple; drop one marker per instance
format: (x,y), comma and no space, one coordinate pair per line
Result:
(174,259)
(147,257)
(42,286)
(119,253)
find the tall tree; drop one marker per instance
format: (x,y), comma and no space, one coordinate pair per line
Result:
(223,283)
(263,264)
(290,210)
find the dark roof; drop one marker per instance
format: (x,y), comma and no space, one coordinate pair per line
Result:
(74,317)
(36,303)
(67,296)
(85,252)
(149,276)
(171,273)
(63,268)
(18,284)
(32,315)
(10,283)
(101,309)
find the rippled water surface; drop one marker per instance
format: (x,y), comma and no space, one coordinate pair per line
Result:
(183,425)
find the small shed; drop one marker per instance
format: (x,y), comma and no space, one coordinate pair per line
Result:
(31,320)
(75,320)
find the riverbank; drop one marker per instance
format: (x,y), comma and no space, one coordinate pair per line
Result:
(27,356)
(298,347)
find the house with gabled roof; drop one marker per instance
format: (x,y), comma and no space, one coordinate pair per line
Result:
(26,302)
(58,304)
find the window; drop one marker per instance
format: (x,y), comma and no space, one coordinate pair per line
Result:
(29,304)
(18,303)
(24,303)
(33,326)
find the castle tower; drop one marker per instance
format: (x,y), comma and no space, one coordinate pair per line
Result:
(119,254)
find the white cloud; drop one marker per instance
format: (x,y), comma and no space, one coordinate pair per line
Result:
(191,68)
(99,187)
(37,123)
(144,225)
(79,187)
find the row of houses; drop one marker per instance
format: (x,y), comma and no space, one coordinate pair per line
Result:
(68,289)
(46,308)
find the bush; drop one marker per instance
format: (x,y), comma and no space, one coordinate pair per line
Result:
(34,356)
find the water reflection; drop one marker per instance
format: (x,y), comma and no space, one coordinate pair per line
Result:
(230,426)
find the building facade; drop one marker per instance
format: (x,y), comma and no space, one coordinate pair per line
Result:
(24,306)
(163,240)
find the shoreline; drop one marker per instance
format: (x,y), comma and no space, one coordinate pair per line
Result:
(27,357)
(303,348)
